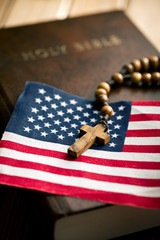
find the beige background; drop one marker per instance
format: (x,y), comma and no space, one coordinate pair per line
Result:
(144,13)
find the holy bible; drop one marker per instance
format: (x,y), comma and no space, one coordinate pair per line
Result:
(75,55)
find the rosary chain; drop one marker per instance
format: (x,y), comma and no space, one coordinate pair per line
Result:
(145,71)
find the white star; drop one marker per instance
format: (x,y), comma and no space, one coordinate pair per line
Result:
(121,108)
(42,91)
(71,134)
(57,96)
(64,128)
(93,120)
(96,112)
(109,130)
(54,106)
(119,117)
(76,117)
(88,105)
(70,110)
(79,109)
(60,113)
(54,131)
(64,104)
(37,127)
(35,110)
(48,98)
(47,124)
(73,101)
(112,144)
(115,135)
(38,100)
(50,115)
(117,126)
(110,122)
(41,118)
(31,119)
(83,122)
(86,114)
(44,134)
(67,119)
(74,125)
(44,108)
(57,122)
(27,129)
(61,136)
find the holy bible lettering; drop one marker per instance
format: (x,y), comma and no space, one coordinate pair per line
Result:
(86,45)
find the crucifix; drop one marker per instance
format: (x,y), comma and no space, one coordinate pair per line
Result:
(90,135)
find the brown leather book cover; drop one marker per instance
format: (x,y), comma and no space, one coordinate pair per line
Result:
(74,55)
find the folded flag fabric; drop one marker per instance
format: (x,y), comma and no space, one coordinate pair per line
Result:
(33,149)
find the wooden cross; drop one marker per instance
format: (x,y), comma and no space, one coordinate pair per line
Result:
(90,135)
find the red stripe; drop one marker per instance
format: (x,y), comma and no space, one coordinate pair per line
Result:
(93,160)
(144,117)
(33,150)
(50,153)
(146,103)
(143,133)
(78,173)
(103,196)
(141,149)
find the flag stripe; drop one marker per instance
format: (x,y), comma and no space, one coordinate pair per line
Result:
(141,149)
(145,103)
(145,109)
(143,125)
(103,161)
(140,141)
(81,182)
(104,196)
(60,150)
(49,153)
(143,133)
(144,117)
(77,173)
(82,166)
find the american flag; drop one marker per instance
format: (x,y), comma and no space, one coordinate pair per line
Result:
(46,121)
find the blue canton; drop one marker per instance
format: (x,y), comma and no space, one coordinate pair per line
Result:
(49,114)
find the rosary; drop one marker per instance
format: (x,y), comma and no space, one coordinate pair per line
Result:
(144,71)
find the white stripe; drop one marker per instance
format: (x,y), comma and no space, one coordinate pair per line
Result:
(81,166)
(8,136)
(145,109)
(142,141)
(81,182)
(150,157)
(144,125)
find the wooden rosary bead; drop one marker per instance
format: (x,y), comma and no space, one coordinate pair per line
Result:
(155,77)
(154,62)
(146,77)
(102,98)
(137,65)
(100,91)
(145,64)
(118,77)
(105,86)
(136,77)
(129,68)
(107,110)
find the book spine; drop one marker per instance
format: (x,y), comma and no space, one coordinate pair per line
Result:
(5,113)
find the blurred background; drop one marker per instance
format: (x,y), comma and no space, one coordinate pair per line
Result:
(144,13)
